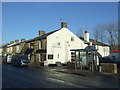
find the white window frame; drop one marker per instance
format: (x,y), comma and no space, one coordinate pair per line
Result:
(10,49)
(17,48)
(39,44)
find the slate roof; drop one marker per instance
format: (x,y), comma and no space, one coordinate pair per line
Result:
(95,42)
(18,43)
(42,36)
(5,45)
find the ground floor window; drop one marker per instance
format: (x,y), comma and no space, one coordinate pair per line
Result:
(50,56)
(72,54)
(42,57)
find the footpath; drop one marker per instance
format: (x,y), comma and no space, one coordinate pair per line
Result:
(90,74)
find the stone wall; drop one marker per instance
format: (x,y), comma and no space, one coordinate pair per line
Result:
(108,68)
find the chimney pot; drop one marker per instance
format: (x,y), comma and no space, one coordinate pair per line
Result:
(86,32)
(63,25)
(22,40)
(11,41)
(17,41)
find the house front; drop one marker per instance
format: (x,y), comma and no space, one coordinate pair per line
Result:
(102,49)
(56,46)
(18,46)
(60,43)
(53,47)
(10,48)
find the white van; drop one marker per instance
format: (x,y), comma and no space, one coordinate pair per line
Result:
(9,58)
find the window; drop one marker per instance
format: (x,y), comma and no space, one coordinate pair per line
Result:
(72,38)
(50,56)
(32,45)
(10,49)
(41,44)
(58,43)
(72,54)
(57,55)
(17,48)
(114,58)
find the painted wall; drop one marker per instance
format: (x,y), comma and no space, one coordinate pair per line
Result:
(103,50)
(59,44)
(1,51)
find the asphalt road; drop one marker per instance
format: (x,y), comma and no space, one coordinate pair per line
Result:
(28,77)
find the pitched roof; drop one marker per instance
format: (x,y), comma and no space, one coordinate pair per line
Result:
(95,42)
(5,45)
(18,43)
(42,36)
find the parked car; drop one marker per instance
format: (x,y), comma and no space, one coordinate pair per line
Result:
(4,59)
(9,57)
(20,60)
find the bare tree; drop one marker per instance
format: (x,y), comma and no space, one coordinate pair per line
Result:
(98,32)
(115,33)
(112,29)
(80,32)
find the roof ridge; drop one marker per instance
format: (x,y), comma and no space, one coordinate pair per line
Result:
(93,41)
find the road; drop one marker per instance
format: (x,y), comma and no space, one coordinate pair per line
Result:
(29,77)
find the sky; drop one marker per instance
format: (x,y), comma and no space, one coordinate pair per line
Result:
(24,19)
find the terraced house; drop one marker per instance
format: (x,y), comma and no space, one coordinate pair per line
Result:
(55,47)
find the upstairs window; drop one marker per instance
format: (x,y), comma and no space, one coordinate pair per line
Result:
(10,49)
(72,39)
(32,45)
(17,48)
(39,44)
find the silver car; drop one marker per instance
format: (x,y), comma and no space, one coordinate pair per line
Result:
(20,60)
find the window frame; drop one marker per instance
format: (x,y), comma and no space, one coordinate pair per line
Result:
(72,39)
(50,56)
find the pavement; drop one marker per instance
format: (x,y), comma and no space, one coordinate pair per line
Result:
(86,73)
(57,77)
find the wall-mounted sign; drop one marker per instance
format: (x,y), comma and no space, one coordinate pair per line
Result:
(56,45)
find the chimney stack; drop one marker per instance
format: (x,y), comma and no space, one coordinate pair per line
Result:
(41,33)
(63,25)
(17,41)
(22,40)
(86,36)
(11,41)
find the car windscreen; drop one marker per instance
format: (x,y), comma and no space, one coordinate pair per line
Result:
(22,57)
(10,56)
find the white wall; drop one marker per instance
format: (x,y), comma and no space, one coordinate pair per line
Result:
(11,49)
(103,50)
(63,37)
(1,51)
